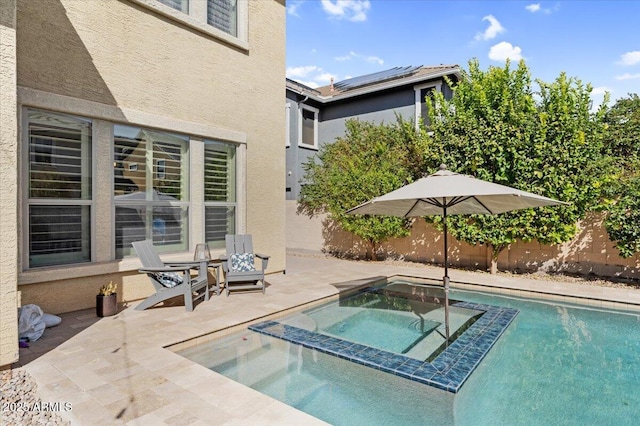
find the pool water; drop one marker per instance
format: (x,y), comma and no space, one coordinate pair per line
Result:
(555,364)
(387,330)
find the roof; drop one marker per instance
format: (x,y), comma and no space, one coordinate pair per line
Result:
(381,80)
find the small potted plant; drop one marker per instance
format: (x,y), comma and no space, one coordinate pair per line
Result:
(107,300)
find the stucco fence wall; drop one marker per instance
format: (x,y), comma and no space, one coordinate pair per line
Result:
(590,252)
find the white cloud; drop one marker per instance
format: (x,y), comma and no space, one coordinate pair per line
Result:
(600,90)
(492,31)
(503,50)
(352,10)
(325,78)
(628,76)
(597,97)
(292,7)
(311,84)
(310,75)
(347,57)
(354,55)
(630,58)
(533,8)
(301,72)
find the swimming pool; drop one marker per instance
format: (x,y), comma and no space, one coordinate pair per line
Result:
(555,364)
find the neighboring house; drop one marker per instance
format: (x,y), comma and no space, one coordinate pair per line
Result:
(317,116)
(129,119)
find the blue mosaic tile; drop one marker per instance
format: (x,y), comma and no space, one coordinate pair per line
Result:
(447,372)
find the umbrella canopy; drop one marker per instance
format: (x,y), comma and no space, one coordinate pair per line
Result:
(458,194)
(445,193)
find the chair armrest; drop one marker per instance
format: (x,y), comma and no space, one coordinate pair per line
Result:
(224,259)
(189,263)
(264,258)
(153,269)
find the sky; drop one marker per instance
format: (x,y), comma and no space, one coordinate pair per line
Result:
(597,42)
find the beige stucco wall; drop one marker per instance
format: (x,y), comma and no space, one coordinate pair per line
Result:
(120,61)
(590,252)
(9,187)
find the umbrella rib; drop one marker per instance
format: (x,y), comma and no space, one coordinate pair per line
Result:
(415,203)
(482,204)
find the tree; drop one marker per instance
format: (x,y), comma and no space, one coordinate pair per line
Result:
(368,161)
(621,192)
(623,128)
(495,129)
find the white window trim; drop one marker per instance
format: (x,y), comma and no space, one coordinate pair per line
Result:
(316,112)
(287,124)
(24,137)
(417,89)
(197,19)
(103,118)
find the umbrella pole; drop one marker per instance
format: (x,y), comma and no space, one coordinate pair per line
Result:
(445,279)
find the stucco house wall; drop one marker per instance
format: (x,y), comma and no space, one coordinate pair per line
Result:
(9,187)
(142,64)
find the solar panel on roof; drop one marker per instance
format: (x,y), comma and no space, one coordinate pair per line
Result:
(376,77)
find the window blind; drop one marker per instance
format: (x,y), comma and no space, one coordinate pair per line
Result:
(222,14)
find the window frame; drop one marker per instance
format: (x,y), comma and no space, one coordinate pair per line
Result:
(234,203)
(27,201)
(151,173)
(287,125)
(435,86)
(196,18)
(316,113)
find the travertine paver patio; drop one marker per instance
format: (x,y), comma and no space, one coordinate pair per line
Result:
(116,370)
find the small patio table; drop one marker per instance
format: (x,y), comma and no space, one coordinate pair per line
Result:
(209,263)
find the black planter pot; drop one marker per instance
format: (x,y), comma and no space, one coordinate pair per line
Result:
(106,305)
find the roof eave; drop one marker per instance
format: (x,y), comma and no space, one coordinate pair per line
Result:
(388,85)
(397,83)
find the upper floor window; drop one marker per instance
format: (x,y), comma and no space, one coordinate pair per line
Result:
(308,127)
(150,188)
(423,94)
(59,191)
(223,14)
(224,19)
(181,5)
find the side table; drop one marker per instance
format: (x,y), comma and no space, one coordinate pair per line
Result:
(218,266)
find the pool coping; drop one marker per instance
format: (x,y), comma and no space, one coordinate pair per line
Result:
(448,371)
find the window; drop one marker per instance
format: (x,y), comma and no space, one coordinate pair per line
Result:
(287,124)
(224,19)
(181,5)
(151,194)
(59,193)
(219,192)
(223,15)
(424,93)
(308,127)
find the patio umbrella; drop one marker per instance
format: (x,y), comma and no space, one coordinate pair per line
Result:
(445,193)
